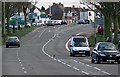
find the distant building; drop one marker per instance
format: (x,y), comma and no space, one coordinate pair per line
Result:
(56,11)
(71,14)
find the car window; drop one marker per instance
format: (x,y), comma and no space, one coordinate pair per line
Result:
(12,39)
(80,42)
(106,46)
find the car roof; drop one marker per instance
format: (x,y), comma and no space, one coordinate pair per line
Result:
(104,42)
(13,37)
(78,36)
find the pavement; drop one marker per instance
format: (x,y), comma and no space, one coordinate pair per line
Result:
(43,52)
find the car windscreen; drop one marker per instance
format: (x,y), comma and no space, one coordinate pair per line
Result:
(106,46)
(80,42)
(11,39)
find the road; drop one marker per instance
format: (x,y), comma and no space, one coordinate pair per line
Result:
(43,52)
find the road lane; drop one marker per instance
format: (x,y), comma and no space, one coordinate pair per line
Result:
(43,52)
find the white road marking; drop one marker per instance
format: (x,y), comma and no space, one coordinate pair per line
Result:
(25,72)
(75,60)
(63,63)
(97,68)
(87,59)
(76,68)
(88,65)
(66,45)
(49,31)
(106,72)
(23,68)
(59,60)
(42,32)
(85,72)
(69,65)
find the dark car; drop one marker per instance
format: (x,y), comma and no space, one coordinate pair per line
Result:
(119,45)
(105,52)
(12,41)
(63,22)
(81,21)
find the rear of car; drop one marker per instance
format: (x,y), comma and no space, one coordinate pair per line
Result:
(50,23)
(81,21)
(79,45)
(12,41)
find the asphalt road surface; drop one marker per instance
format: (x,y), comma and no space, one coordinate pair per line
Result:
(43,52)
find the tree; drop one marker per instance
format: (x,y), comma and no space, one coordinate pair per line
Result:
(110,10)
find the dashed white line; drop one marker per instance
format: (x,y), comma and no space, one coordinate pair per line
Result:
(97,68)
(85,72)
(88,65)
(59,60)
(63,63)
(69,65)
(75,60)
(87,59)
(25,72)
(76,68)
(23,68)
(106,72)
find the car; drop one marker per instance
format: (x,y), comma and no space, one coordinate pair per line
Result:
(79,45)
(50,23)
(63,22)
(28,24)
(12,41)
(119,45)
(34,24)
(105,52)
(81,21)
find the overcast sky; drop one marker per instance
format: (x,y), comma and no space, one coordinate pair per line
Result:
(67,3)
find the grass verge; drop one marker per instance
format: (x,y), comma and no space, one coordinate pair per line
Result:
(99,38)
(20,33)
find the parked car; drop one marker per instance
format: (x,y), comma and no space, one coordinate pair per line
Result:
(79,45)
(28,24)
(12,41)
(50,23)
(105,52)
(63,22)
(81,21)
(34,24)
(119,45)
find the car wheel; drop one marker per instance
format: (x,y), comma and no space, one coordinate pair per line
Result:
(87,54)
(7,46)
(118,62)
(18,45)
(92,61)
(70,54)
(97,60)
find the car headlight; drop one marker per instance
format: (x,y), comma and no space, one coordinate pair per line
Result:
(102,54)
(118,55)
